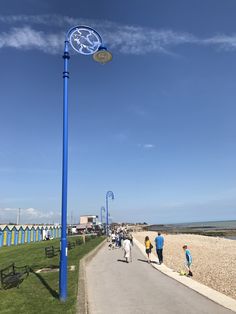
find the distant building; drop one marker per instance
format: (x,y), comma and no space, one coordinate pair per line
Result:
(88,219)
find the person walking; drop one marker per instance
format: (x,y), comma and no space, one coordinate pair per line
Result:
(159,241)
(188,260)
(127,250)
(148,246)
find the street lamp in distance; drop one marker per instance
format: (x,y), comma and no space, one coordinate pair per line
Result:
(109,194)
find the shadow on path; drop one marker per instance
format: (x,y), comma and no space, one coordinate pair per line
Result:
(145,261)
(121,260)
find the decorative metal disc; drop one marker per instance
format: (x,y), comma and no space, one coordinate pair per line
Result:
(85,40)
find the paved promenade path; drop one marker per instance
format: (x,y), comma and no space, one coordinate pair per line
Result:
(115,287)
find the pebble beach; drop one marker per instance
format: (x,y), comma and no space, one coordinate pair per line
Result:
(214,259)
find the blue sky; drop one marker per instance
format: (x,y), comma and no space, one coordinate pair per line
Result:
(156,125)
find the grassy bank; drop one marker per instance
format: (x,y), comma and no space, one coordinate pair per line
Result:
(39,292)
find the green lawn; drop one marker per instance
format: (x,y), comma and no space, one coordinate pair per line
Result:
(39,291)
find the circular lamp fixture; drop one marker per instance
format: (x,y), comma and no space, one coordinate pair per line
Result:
(85,40)
(102,55)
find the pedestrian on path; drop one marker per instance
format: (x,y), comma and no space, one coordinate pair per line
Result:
(188,260)
(127,250)
(148,246)
(159,241)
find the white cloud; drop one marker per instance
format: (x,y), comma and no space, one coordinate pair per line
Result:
(223,42)
(28,38)
(32,33)
(28,215)
(147,146)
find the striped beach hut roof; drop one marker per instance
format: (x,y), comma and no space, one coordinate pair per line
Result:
(2,227)
(24,226)
(10,227)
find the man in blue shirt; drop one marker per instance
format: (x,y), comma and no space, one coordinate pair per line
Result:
(159,240)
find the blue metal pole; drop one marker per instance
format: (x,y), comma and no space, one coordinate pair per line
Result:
(63,256)
(102,210)
(107,223)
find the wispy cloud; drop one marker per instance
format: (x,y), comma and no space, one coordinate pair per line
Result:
(28,38)
(223,42)
(28,215)
(147,146)
(32,32)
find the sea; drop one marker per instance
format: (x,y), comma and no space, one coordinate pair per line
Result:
(202,225)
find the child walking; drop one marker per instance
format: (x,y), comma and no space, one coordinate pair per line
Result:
(188,260)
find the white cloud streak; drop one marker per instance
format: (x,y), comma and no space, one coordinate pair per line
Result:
(147,146)
(31,32)
(28,215)
(27,38)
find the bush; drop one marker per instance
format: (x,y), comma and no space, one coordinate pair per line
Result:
(79,241)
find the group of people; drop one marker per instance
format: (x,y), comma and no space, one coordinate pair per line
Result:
(117,238)
(159,243)
(121,238)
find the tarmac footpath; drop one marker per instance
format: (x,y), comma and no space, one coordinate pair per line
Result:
(116,287)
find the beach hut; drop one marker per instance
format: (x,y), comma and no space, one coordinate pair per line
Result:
(23,235)
(6,236)
(1,238)
(34,233)
(40,233)
(27,234)
(30,234)
(11,235)
(2,227)
(56,228)
(54,232)
(16,238)
(37,233)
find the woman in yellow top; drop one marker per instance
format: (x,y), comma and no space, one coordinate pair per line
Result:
(148,246)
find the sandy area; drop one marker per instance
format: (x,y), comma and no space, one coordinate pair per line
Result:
(214,259)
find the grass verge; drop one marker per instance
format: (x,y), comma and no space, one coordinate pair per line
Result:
(39,293)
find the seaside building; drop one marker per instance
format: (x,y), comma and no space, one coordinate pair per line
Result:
(88,219)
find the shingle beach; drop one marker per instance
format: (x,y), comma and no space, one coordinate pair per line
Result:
(214,259)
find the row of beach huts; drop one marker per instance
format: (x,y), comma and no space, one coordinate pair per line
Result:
(19,234)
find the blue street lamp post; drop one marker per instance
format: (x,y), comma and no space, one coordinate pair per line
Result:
(109,194)
(102,210)
(85,41)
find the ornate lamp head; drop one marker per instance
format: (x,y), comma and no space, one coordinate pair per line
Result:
(86,41)
(110,194)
